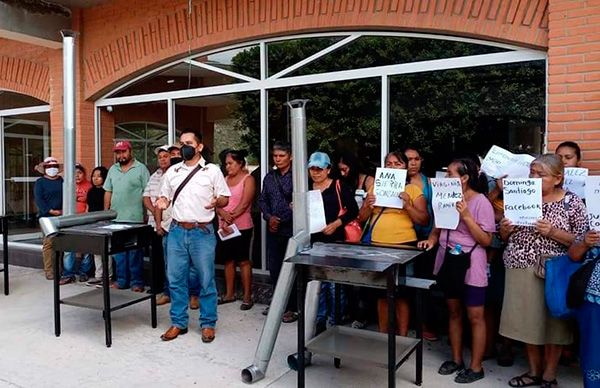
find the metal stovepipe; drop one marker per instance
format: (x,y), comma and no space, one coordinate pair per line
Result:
(69,121)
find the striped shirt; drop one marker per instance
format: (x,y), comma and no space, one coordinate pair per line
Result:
(152,191)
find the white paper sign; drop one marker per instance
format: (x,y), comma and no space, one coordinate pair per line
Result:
(316,212)
(499,162)
(523,200)
(446,192)
(389,183)
(440,174)
(592,193)
(575,180)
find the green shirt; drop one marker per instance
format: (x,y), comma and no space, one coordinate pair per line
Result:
(127,189)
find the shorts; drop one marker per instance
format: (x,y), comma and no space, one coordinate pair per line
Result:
(236,249)
(474,296)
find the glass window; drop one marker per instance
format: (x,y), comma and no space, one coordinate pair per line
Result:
(341,117)
(26,144)
(372,51)
(245,60)
(465,111)
(286,53)
(228,122)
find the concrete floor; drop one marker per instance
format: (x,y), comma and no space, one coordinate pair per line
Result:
(31,356)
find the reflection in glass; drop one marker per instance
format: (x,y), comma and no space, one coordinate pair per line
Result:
(247,57)
(466,111)
(144,138)
(178,77)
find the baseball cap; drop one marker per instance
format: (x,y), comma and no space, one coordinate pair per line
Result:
(319,159)
(174,147)
(164,148)
(50,160)
(122,146)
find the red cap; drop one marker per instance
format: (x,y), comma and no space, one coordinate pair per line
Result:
(122,146)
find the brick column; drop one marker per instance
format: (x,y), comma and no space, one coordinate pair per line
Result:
(574,77)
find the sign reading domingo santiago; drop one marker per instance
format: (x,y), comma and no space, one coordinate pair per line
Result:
(523,200)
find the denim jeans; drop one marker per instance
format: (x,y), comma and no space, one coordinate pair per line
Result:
(327,302)
(193,280)
(195,246)
(130,267)
(70,262)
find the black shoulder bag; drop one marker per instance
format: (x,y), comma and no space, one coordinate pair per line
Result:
(185,182)
(451,276)
(578,283)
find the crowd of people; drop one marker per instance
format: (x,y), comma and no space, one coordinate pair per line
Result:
(200,211)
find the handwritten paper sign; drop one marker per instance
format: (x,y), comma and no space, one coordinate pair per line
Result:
(592,193)
(575,180)
(316,212)
(389,183)
(523,200)
(499,162)
(445,193)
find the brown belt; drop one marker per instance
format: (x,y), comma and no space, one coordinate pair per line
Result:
(192,225)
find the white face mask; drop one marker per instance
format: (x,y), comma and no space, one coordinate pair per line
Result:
(52,171)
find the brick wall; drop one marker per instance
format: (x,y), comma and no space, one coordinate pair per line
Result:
(574,76)
(24,69)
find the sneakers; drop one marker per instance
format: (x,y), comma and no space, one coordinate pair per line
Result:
(358,325)
(467,376)
(83,278)
(163,299)
(94,282)
(450,367)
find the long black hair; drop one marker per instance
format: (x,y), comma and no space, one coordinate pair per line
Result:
(477,180)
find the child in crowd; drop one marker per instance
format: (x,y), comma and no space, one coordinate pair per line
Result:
(95,201)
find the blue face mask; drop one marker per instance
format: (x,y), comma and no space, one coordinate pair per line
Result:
(188,152)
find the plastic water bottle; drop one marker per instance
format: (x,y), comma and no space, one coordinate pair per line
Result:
(457,250)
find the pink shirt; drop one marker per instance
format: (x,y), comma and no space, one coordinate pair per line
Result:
(244,221)
(483,213)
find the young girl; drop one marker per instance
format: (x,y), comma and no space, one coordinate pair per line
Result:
(95,201)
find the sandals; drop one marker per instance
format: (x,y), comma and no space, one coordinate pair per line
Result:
(246,305)
(222,300)
(526,380)
(549,384)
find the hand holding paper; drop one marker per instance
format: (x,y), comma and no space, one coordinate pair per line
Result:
(389,183)
(523,200)
(446,192)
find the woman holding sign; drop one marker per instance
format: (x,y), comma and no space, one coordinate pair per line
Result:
(395,226)
(524,314)
(461,265)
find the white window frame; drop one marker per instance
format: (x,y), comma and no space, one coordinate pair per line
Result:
(280,80)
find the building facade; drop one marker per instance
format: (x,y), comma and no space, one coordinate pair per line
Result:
(448,76)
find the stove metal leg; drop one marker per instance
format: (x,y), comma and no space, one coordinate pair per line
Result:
(106,297)
(57,258)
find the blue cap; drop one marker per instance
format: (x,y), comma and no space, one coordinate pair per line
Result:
(319,159)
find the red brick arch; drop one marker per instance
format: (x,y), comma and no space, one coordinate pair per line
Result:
(128,37)
(25,77)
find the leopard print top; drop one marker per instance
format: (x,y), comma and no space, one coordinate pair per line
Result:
(525,244)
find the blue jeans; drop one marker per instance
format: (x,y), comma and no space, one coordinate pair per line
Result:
(195,246)
(327,302)
(130,267)
(588,318)
(70,261)
(193,280)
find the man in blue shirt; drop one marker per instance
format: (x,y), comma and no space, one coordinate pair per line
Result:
(47,193)
(275,204)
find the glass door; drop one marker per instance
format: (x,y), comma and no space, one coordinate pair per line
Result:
(26,144)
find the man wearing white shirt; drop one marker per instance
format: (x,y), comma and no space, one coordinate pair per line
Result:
(191,236)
